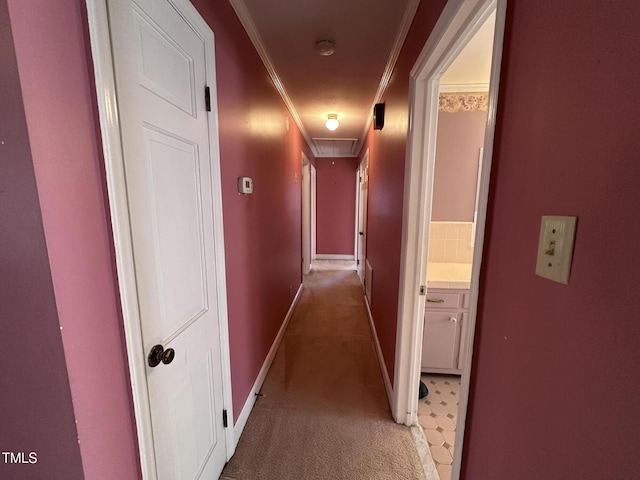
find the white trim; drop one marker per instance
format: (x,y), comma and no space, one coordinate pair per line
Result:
(361,216)
(238,428)
(464,87)
(456,25)
(383,366)
(306,215)
(403,31)
(313,212)
(100,38)
(327,256)
(357,222)
(247,22)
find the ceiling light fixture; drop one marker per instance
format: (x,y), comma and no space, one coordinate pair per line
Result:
(332,121)
(325,48)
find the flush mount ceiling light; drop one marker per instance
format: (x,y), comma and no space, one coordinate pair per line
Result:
(332,121)
(325,47)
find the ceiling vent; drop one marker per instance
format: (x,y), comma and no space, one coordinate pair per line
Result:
(335,147)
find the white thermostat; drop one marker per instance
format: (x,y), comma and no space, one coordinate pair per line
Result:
(245,185)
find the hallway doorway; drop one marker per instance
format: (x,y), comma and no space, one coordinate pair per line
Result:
(424,309)
(306,216)
(362,195)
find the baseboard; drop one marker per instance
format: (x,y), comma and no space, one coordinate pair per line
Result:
(327,256)
(383,366)
(238,428)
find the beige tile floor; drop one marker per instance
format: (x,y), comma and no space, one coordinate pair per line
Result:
(438,414)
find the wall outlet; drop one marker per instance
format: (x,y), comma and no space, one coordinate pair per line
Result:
(555,248)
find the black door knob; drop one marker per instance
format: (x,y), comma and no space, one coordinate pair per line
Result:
(155,355)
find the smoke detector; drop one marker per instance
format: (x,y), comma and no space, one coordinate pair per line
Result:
(325,47)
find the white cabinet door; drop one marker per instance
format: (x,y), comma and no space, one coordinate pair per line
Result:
(441,340)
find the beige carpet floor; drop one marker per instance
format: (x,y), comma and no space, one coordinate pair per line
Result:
(324,414)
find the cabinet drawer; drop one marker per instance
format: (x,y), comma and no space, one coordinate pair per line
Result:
(443,300)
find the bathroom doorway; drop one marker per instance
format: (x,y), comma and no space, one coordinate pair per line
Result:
(453,102)
(461,128)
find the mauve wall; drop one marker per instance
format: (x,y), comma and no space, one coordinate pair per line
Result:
(555,378)
(54,74)
(460,137)
(387,148)
(335,205)
(263,231)
(36,411)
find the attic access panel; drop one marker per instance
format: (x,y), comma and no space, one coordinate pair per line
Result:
(335,147)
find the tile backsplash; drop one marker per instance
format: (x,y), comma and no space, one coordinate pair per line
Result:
(450,242)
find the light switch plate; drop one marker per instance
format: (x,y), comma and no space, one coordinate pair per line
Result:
(555,248)
(245,185)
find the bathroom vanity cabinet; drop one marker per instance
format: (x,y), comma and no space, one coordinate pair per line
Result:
(445,331)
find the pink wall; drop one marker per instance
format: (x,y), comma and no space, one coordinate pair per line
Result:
(263,231)
(387,148)
(37,410)
(555,387)
(460,136)
(54,74)
(336,205)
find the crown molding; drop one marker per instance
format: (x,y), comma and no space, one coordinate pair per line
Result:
(403,31)
(464,87)
(247,22)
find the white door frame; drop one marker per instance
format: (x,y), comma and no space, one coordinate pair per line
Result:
(313,212)
(456,25)
(357,222)
(361,217)
(306,215)
(114,166)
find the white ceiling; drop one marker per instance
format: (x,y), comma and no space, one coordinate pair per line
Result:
(471,70)
(368,35)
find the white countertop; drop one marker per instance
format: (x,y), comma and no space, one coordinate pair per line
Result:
(449,275)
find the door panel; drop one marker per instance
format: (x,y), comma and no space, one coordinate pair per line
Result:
(159,59)
(177,226)
(164,67)
(441,340)
(183,397)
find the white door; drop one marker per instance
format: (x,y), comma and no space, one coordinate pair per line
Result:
(363,178)
(160,62)
(313,212)
(306,215)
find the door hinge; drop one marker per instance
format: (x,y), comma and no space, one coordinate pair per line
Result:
(224,419)
(207,98)
(357,262)
(423,290)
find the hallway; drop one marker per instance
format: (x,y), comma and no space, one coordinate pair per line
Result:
(324,413)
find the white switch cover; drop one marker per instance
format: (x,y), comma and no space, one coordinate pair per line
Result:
(555,249)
